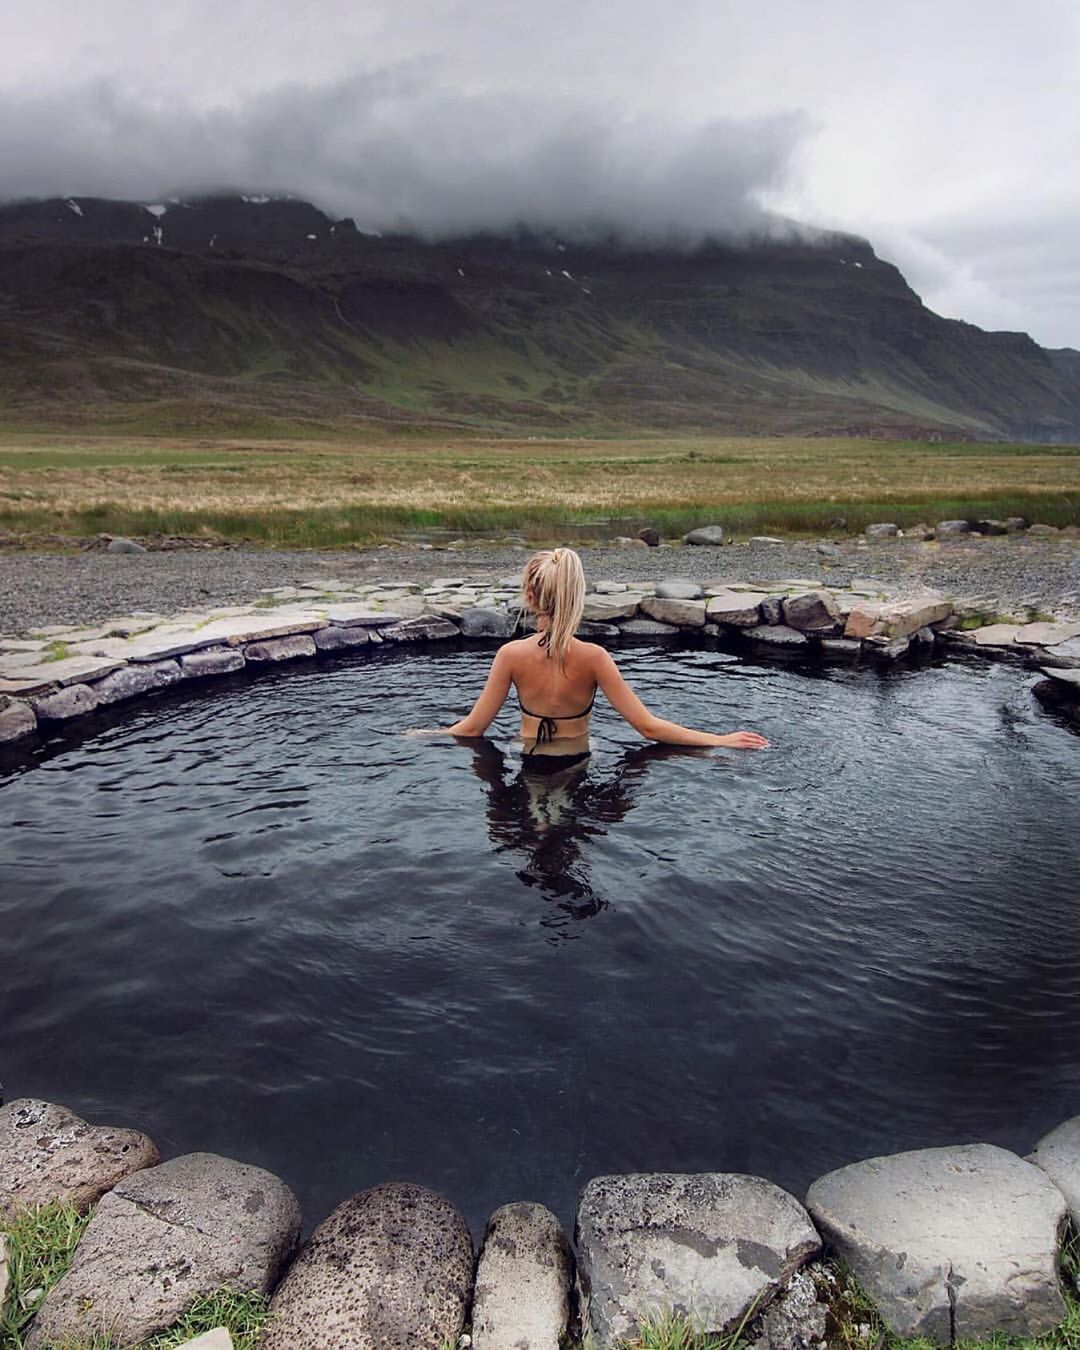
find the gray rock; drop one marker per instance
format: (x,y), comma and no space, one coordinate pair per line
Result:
(610,588)
(16,719)
(888,649)
(649,536)
(829,551)
(121,545)
(840,649)
(811,612)
(919,533)
(709,1246)
(48,1153)
(487,622)
(163,1237)
(779,636)
(389,1269)
(1067,678)
(709,535)
(797,1320)
(274,650)
(1015,524)
(362,616)
(601,631)
(214,661)
(923,637)
(948,1242)
(772,610)
(682,613)
(1058,1153)
(742,609)
(73,701)
(882,530)
(419,630)
(679,590)
(133,680)
(950,529)
(523,1278)
(992,527)
(218,1339)
(336,639)
(602,608)
(765,539)
(647,628)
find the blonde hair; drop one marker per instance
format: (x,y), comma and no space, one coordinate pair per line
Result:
(553,585)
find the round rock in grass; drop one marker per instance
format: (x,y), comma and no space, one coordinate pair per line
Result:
(707,535)
(949,1243)
(951,529)
(162,1238)
(882,530)
(708,1246)
(522,1296)
(48,1153)
(389,1269)
(1058,1154)
(121,545)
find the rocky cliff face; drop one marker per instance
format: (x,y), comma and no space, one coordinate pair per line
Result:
(228,306)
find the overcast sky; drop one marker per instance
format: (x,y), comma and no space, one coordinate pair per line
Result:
(946,131)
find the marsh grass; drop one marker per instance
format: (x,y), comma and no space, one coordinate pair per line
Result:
(336,492)
(41,1244)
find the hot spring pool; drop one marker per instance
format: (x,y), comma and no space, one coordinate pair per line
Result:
(255,920)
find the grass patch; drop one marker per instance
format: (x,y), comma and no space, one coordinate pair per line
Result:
(41,1243)
(669,1331)
(57,651)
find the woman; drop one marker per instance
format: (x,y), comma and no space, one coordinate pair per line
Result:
(556,676)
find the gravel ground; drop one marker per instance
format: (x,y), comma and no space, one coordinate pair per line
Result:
(1003,575)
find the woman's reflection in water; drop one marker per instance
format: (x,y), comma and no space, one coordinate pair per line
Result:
(547,808)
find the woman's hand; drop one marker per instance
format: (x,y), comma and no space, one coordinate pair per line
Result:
(744,740)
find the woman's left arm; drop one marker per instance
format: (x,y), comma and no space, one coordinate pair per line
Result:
(492,697)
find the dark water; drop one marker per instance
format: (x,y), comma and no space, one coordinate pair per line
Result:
(260,922)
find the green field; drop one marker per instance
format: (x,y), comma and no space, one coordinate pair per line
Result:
(339,491)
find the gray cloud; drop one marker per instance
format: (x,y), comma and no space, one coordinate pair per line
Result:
(395,150)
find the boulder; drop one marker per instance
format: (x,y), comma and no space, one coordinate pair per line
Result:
(897,618)
(624,541)
(218,1339)
(741,609)
(48,1153)
(649,536)
(951,529)
(797,1320)
(73,701)
(708,1246)
(919,533)
(647,628)
(882,530)
(1067,679)
(1015,524)
(162,1238)
(1058,1154)
(600,631)
(811,612)
(991,527)
(608,608)
(888,649)
(335,639)
(523,1277)
(679,590)
(16,719)
(681,613)
(1046,634)
(215,661)
(995,635)
(420,630)
(772,609)
(779,636)
(389,1269)
(134,680)
(122,545)
(948,1242)
(610,588)
(840,649)
(274,650)
(487,622)
(708,535)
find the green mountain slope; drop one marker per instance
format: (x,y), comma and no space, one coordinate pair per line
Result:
(229,312)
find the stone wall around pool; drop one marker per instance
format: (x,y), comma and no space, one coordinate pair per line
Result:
(954,1243)
(61,672)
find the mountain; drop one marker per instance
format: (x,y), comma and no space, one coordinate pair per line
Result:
(234,312)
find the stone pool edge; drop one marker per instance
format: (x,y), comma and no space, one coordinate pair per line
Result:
(950,1243)
(62,672)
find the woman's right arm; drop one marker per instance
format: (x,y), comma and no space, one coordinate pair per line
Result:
(625,702)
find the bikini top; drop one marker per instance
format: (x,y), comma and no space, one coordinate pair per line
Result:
(545,732)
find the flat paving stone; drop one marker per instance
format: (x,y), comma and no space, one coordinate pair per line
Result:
(948,1242)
